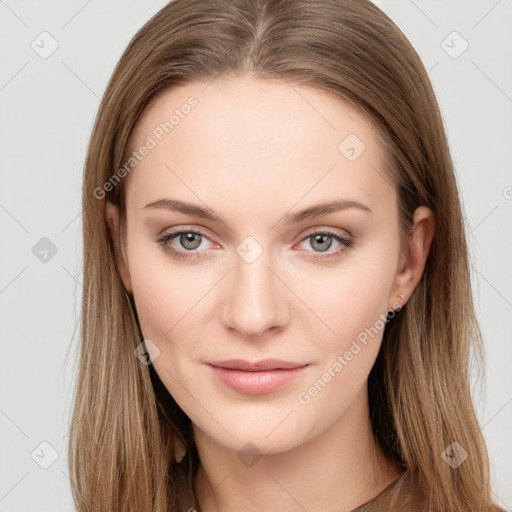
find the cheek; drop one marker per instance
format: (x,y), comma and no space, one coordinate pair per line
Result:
(164,291)
(350,301)
(168,307)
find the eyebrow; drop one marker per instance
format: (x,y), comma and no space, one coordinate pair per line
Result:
(307,213)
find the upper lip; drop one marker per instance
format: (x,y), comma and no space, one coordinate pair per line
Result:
(264,364)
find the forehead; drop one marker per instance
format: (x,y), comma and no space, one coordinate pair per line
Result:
(273,139)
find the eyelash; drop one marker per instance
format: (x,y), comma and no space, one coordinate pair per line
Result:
(346,243)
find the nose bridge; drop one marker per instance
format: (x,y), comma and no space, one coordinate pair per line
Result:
(256,300)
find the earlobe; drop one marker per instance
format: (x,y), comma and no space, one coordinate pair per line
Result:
(112,222)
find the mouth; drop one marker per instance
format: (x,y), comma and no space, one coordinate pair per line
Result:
(255,378)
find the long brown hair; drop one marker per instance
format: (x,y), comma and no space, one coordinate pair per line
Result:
(125,423)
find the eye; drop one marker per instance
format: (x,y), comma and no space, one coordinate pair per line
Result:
(321,241)
(189,239)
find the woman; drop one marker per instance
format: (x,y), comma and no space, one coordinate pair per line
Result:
(278,313)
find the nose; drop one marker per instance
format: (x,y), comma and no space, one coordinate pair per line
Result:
(257,299)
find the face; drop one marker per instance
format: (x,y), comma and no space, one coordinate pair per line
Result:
(260,281)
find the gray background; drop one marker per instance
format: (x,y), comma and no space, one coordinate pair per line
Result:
(47,110)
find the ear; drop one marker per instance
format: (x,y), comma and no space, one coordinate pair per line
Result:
(412,263)
(112,221)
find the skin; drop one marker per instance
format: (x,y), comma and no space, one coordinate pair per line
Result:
(254,151)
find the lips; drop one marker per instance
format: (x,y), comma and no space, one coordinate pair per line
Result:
(266,364)
(256,378)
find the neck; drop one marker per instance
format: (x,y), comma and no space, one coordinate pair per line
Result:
(336,471)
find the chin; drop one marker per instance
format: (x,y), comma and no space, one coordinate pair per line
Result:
(264,432)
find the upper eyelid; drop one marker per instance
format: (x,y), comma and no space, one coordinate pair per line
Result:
(323,229)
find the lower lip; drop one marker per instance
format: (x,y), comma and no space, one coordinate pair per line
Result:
(258,382)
